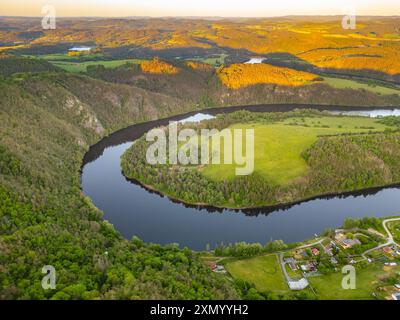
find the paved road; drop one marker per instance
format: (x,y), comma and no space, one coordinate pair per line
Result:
(282,263)
(390,239)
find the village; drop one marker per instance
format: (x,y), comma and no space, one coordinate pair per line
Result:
(328,254)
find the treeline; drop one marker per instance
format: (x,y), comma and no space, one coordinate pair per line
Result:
(245,250)
(363,223)
(11,65)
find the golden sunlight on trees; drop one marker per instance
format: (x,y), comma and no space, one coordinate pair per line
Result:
(158,66)
(200,66)
(384,58)
(241,75)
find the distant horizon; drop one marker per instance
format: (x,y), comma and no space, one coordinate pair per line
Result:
(204,17)
(204,8)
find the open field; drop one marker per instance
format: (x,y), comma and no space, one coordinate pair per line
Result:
(81,66)
(264,272)
(394,228)
(351,84)
(66,57)
(214,60)
(367,279)
(278,155)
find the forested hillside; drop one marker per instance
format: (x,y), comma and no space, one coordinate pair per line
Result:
(47,124)
(48,121)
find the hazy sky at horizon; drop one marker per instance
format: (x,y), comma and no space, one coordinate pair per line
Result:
(227,8)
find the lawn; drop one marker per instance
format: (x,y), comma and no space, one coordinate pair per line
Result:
(263,271)
(344,83)
(279,146)
(367,279)
(214,60)
(81,66)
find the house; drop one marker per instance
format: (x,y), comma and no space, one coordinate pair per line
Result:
(309,267)
(387,250)
(340,236)
(396,296)
(219,269)
(345,242)
(329,249)
(304,267)
(397,286)
(292,263)
(315,251)
(212,265)
(298,285)
(349,243)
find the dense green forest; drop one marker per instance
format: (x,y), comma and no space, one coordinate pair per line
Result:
(337,163)
(48,122)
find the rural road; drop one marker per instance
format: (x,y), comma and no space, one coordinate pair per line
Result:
(389,238)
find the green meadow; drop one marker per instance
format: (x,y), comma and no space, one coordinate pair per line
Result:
(351,84)
(263,271)
(367,279)
(76,67)
(279,146)
(214,60)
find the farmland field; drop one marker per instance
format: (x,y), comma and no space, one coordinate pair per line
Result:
(264,272)
(278,156)
(367,279)
(81,66)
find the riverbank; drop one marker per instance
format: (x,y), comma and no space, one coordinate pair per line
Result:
(303,140)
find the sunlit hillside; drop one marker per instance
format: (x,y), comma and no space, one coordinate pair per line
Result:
(158,66)
(320,41)
(241,75)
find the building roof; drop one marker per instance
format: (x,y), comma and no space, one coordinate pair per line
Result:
(315,251)
(351,242)
(387,249)
(298,285)
(396,296)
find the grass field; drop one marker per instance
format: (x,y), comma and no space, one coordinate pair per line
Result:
(279,147)
(344,83)
(65,57)
(81,66)
(264,272)
(367,279)
(215,60)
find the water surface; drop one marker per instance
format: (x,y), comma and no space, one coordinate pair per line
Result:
(134,210)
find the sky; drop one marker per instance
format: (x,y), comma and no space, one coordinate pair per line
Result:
(222,8)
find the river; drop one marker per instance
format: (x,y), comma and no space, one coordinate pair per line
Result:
(134,210)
